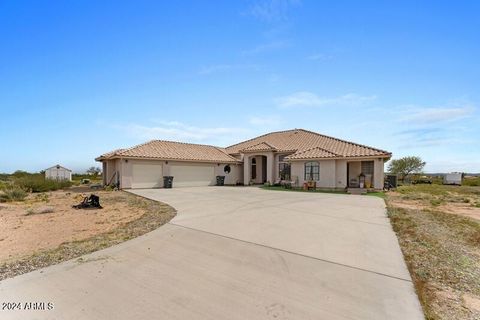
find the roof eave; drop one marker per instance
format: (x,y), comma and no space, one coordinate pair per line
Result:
(383,156)
(173,159)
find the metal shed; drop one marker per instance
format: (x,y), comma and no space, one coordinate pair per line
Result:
(58,172)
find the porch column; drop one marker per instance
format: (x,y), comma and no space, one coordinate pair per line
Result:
(246,170)
(270,166)
(378,174)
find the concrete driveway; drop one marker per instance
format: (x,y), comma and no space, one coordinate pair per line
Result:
(236,253)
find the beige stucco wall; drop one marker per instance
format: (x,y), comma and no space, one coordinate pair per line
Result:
(333,173)
(341,174)
(235,175)
(378,174)
(327,173)
(297,172)
(126,169)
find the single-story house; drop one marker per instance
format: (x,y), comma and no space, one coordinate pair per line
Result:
(58,172)
(294,155)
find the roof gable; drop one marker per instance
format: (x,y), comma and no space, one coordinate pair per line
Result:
(262,146)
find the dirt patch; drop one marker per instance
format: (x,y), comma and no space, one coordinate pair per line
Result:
(467,204)
(471,302)
(441,245)
(461,209)
(33,237)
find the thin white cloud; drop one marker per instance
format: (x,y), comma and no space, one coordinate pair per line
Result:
(418,114)
(272,10)
(309,99)
(434,127)
(174,130)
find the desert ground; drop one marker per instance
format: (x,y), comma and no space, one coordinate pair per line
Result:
(438,228)
(38,227)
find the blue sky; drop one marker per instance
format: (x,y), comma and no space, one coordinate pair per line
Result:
(80,78)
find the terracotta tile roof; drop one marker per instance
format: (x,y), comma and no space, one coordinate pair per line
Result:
(109,154)
(262,146)
(301,143)
(313,153)
(170,150)
(299,140)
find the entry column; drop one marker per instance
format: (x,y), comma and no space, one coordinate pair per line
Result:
(270,161)
(246,170)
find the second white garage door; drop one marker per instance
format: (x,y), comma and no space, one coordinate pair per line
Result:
(192,176)
(147,176)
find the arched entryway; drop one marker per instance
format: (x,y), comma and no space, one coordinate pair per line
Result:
(258,169)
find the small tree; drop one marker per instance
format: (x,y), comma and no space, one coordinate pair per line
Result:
(94,171)
(406,166)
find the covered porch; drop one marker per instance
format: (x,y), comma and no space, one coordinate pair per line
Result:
(365,174)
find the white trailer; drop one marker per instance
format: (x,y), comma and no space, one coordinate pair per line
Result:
(454,178)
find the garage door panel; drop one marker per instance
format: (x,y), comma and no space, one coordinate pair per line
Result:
(147,176)
(192,176)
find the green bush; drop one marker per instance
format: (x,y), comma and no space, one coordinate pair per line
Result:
(473,182)
(12,194)
(38,183)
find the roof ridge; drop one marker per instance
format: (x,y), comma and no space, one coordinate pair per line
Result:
(170,141)
(345,141)
(131,148)
(190,143)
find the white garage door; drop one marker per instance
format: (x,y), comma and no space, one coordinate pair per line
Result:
(192,176)
(147,176)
